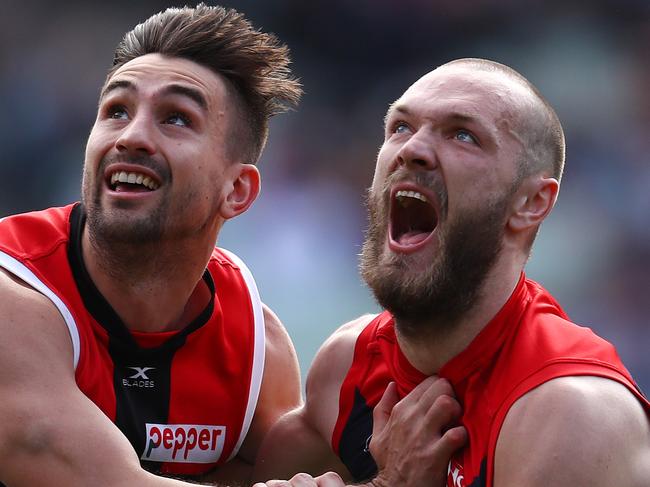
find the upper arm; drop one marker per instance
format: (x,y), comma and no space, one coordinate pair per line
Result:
(280,389)
(327,373)
(49,430)
(305,433)
(292,446)
(574,431)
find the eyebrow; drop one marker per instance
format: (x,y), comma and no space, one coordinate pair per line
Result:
(173,89)
(191,93)
(116,85)
(449,117)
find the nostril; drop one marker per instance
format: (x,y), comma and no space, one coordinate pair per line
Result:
(420,162)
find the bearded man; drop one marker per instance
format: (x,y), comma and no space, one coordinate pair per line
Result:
(469,168)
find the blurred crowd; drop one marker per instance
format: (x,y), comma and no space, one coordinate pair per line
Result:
(302,237)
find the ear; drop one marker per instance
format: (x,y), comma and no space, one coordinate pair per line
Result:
(532,202)
(244,190)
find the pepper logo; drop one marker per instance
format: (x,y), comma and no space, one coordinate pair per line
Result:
(184,443)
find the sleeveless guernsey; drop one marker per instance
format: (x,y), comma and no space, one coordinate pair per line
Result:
(529,342)
(184,399)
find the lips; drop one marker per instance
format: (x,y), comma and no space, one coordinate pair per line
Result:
(413,218)
(131,178)
(131,181)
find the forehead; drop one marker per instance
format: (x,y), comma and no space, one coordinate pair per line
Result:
(151,73)
(491,97)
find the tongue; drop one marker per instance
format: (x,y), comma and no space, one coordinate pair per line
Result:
(130,188)
(413,237)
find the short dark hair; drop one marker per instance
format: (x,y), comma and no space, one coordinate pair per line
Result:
(545,143)
(255,63)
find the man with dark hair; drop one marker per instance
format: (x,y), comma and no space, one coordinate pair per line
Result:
(469,168)
(128,339)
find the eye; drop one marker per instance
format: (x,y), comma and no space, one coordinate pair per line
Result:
(400,127)
(465,136)
(117,112)
(178,119)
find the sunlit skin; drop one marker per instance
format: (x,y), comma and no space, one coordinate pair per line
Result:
(146,109)
(457,126)
(169,119)
(457,129)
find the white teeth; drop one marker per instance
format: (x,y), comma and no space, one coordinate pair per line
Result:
(410,194)
(133,178)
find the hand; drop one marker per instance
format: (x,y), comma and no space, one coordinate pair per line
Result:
(329,479)
(410,440)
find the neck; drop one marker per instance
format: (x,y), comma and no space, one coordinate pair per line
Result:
(151,287)
(429,351)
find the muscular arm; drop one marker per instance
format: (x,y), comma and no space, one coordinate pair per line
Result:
(304,434)
(411,447)
(279,393)
(50,433)
(574,431)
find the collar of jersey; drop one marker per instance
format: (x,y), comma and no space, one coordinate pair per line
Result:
(103,312)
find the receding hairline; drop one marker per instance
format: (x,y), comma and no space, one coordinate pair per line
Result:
(541,116)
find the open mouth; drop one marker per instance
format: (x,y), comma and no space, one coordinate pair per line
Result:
(123,181)
(412,219)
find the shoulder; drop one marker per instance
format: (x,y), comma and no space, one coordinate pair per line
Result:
(18,300)
(327,372)
(275,332)
(335,355)
(26,314)
(574,431)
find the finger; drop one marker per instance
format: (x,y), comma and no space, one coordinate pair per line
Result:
(439,387)
(443,413)
(448,444)
(302,480)
(330,479)
(381,413)
(420,389)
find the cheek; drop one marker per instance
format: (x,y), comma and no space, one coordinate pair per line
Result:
(382,168)
(98,143)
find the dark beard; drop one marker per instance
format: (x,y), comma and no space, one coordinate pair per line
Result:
(144,230)
(444,291)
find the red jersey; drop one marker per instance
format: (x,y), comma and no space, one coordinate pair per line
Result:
(184,399)
(530,341)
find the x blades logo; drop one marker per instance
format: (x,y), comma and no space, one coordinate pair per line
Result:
(140,378)
(141,372)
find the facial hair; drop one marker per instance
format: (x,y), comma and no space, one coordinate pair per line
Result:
(437,296)
(107,229)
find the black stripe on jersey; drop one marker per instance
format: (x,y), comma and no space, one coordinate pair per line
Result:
(481,480)
(142,390)
(103,312)
(353,447)
(141,376)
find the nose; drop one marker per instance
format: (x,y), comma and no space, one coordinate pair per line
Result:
(137,136)
(418,151)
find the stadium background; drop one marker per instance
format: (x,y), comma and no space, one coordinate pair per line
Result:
(302,237)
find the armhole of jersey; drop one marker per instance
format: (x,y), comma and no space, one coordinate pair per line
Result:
(21,271)
(569,368)
(258,348)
